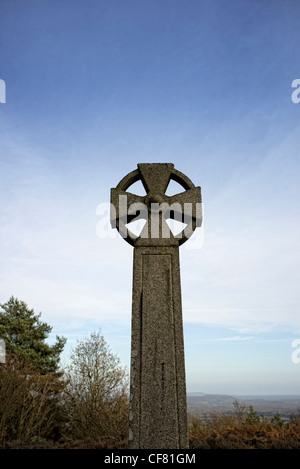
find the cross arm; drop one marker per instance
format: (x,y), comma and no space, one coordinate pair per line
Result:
(186,206)
(126,206)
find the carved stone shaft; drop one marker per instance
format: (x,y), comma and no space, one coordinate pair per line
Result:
(158,395)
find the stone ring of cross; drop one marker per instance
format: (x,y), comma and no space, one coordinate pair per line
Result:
(156,207)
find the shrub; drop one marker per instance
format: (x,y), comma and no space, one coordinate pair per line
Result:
(251,417)
(29,402)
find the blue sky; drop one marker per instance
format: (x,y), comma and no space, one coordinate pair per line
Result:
(92,89)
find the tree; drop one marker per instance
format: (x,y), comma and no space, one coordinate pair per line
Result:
(252,417)
(25,334)
(240,411)
(277,421)
(96,400)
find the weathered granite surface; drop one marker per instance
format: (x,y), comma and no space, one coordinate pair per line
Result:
(158,416)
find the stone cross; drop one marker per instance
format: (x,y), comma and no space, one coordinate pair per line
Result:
(158,415)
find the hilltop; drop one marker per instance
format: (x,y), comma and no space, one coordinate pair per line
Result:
(201,404)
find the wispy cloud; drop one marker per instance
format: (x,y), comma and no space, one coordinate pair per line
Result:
(235,338)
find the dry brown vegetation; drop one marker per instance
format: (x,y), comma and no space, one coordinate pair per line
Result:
(244,430)
(28,402)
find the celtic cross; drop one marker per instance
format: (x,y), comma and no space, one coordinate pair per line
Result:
(158,417)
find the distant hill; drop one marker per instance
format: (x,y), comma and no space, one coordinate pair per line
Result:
(201,404)
(210,399)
